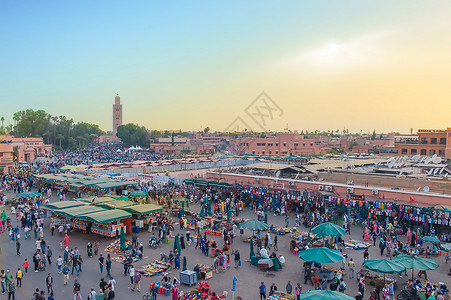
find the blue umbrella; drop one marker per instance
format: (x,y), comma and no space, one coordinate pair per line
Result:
(431,239)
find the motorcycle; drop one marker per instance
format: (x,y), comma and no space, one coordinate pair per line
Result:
(405,294)
(154,243)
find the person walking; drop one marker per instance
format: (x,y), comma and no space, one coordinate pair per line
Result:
(25,264)
(19,276)
(289,288)
(101,260)
(66,271)
(262,289)
(77,287)
(308,275)
(108,266)
(52,227)
(49,255)
(17,247)
(136,281)
(3,275)
(11,291)
(49,282)
(77,296)
(298,291)
(132,274)
(92,294)
(237,259)
(276,248)
(59,263)
(351,266)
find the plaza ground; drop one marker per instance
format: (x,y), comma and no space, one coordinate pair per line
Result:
(249,277)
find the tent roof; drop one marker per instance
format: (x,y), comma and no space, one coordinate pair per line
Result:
(107,216)
(78,212)
(116,203)
(143,209)
(62,205)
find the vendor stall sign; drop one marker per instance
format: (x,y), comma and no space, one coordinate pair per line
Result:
(277,185)
(358,197)
(117,226)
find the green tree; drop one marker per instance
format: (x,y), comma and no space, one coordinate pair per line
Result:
(373,136)
(206,129)
(133,134)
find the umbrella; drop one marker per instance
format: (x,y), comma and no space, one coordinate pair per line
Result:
(138,194)
(122,238)
(331,229)
(319,295)
(415,262)
(254,225)
(384,266)
(266,218)
(446,247)
(321,255)
(28,194)
(177,244)
(184,263)
(432,239)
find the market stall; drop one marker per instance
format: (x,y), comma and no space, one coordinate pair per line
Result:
(115,247)
(76,215)
(142,214)
(357,245)
(154,268)
(281,296)
(107,222)
(205,272)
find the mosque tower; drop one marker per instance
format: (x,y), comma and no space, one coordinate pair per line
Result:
(117,114)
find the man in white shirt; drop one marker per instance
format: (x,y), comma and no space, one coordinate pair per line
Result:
(112,282)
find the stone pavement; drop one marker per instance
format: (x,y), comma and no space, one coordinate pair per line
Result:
(249,277)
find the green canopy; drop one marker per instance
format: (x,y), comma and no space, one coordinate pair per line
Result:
(117,204)
(446,247)
(138,194)
(61,205)
(182,200)
(384,266)
(78,212)
(321,255)
(330,229)
(415,262)
(177,245)
(122,238)
(254,225)
(107,216)
(143,209)
(28,194)
(431,239)
(320,295)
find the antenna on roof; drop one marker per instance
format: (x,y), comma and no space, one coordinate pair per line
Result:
(426,189)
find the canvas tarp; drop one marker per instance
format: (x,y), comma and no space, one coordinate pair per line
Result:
(61,205)
(79,211)
(107,216)
(143,209)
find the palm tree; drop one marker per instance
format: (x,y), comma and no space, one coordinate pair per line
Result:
(3,120)
(60,137)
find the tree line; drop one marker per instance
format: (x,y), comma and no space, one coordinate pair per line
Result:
(59,131)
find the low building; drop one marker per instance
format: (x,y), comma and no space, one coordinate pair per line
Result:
(26,149)
(281,144)
(6,156)
(425,142)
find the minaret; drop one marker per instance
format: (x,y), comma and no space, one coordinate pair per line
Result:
(117,114)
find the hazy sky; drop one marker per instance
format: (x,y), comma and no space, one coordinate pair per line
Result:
(363,65)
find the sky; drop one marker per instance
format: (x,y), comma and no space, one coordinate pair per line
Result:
(325,65)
